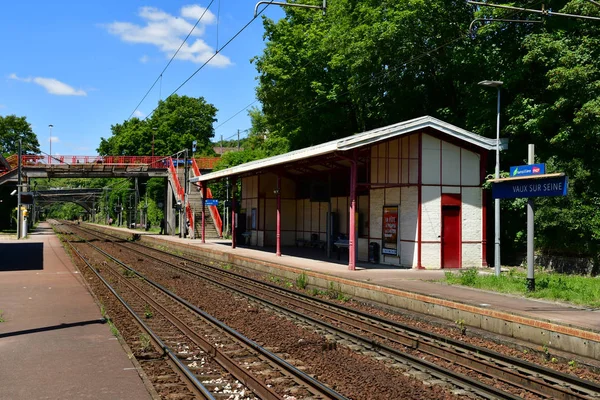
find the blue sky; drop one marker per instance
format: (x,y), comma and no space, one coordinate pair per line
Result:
(83,66)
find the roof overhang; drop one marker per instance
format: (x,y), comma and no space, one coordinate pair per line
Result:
(356,141)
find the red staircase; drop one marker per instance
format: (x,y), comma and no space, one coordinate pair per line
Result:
(181,194)
(214,211)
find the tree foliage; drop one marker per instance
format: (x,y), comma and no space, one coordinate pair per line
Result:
(118,191)
(176,123)
(370,63)
(13,128)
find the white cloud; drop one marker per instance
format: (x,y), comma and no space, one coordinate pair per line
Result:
(195,11)
(167,32)
(2,106)
(54,139)
(144,59)
(139,114)
(52,86)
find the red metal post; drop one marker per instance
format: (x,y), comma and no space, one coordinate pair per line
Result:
(233,189)
(352,228)
(203,213)
(278,253)
(420,203)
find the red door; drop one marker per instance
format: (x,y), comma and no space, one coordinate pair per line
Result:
(451,237)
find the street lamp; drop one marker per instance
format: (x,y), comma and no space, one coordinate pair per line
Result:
(153,131)
(50,126)
(496,84)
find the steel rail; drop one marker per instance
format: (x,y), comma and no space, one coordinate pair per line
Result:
(550,385)
(248,379)
(192,381)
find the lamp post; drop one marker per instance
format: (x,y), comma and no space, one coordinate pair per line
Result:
(153,131)
(50,126)
(496,84)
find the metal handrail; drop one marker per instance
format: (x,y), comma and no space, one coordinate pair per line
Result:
(181,193)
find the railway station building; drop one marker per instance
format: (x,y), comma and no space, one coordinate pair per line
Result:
(408,194)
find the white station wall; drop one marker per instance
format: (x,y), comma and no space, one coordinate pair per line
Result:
(450,169)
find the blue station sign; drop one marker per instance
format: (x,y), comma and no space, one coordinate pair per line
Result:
(523,188)
(211,202)
(527,170)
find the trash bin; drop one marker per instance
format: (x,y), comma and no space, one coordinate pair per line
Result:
(374,252)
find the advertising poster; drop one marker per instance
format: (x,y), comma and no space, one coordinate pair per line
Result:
(253,220)
(390,230)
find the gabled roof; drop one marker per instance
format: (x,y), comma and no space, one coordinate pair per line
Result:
(356,141)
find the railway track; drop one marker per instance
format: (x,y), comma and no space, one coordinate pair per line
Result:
(384,336)
(197,333)
(376,333)
(160,350)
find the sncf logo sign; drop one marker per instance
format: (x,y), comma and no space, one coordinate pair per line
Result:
(526,170)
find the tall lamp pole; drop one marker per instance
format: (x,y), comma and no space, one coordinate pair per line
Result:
(50,126)
(496,84)
(153,131)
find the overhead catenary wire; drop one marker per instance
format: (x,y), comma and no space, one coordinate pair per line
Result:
(217,51)
(171,60)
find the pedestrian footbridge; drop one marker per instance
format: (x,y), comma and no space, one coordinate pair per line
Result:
(45,166)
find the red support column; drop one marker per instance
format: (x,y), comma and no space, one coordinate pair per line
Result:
(278,253)
(203,213)
(233,190)
(420,203)
(352,229)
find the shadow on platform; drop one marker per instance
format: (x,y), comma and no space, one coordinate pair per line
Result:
(52,328)
(21,256)
(42,231)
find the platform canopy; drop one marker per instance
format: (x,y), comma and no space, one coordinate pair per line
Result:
(354,142)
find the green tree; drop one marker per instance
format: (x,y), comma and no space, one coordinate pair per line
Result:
(370,63)
(559,111)
(13,128)
(176,123)
(359,67)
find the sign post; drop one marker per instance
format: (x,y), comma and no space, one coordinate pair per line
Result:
(530,227)
(529,181)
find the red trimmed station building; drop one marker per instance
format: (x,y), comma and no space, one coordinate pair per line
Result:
(412,191)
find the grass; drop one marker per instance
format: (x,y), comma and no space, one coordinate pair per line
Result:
(148,312)
(302,281)
(2,316)
(127,273)
(145,344)
(575,289)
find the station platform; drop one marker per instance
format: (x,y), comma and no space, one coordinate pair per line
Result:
(54,344)
(556,325)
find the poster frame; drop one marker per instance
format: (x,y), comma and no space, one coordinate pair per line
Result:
(386,246)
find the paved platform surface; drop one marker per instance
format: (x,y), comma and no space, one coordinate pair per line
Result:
(414,281)
(53,341)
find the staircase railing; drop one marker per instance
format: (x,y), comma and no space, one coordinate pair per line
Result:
(214,211)
(13,162)
(181,194)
